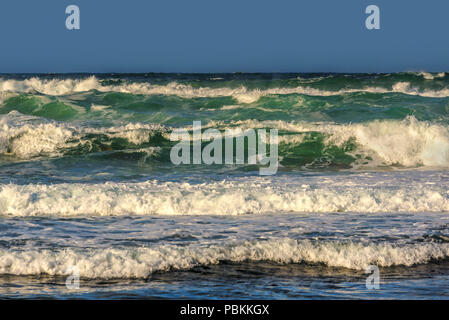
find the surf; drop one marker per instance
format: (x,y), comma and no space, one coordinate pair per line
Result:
(132,263)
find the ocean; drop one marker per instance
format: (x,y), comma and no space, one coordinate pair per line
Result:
(87,184)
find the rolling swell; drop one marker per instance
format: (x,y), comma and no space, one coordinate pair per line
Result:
(424,84)
(86,177)
(303,145)
(142,262)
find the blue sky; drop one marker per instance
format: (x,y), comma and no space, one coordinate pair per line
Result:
(224,36)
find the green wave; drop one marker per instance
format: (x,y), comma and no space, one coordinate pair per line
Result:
(174,110)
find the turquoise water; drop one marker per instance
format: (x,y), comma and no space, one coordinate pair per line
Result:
(86,180)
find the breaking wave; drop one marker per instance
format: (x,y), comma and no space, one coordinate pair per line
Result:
(408,142)
(26,137)
(227,197)
(405,143)
(141,262)
(58,87)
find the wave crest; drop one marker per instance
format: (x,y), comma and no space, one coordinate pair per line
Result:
(407,143)
(233,197)
(141,262)
(58,87)
(26,137)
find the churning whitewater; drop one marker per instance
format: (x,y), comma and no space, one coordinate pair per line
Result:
(141,262)
(86,177)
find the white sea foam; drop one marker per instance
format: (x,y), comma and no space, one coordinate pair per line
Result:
(408,142)
(228,197)
(141,262)
(50,87)
(242,94)
(430,76)
(27,136)
(25,139)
